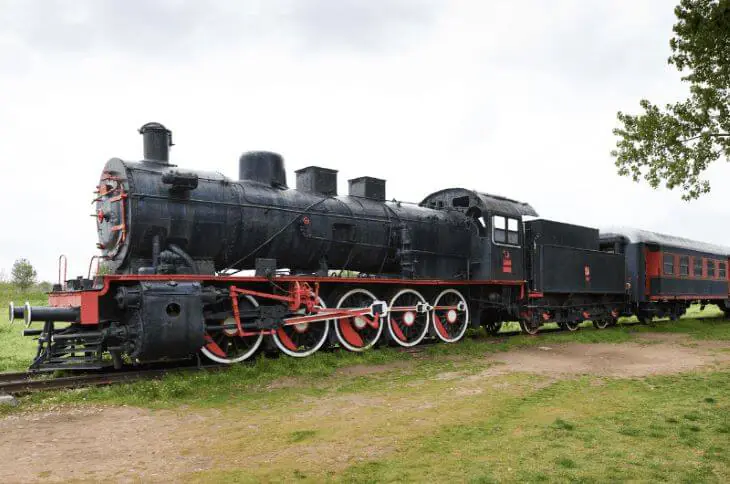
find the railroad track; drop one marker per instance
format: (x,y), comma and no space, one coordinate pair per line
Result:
(27,382)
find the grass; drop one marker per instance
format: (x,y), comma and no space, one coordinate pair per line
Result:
(16,351)
(653,429)
(387,416)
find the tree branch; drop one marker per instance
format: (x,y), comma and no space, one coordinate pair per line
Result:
(718,135)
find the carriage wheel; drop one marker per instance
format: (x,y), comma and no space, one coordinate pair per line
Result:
(407,327)
(300,340)
(493,327)
(572,325)
(529,327)
(358,333)
(224,345)
(601,323)
(450,324)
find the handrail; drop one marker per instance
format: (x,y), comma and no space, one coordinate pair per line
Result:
(91,263)
(62,279)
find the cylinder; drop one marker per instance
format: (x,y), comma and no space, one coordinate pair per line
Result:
(157,141)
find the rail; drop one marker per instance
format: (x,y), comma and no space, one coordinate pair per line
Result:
(29,382)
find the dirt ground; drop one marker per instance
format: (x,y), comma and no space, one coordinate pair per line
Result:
(127,444)
(663,354)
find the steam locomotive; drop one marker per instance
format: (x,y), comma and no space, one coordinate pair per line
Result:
(198,263)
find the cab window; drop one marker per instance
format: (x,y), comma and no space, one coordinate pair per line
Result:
(711,269)
(500,229)
(506,230)
(723,270)
(513,231)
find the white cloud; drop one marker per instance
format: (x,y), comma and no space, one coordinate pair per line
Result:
(512,98)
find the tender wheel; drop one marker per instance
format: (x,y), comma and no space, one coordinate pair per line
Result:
(361,332)
(224,345)
(300,340)
(572,325)
(450,316)
(406,325)
(601,323)
(493,327)
(528,327)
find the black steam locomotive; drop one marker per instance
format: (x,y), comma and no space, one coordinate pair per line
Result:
(200,263)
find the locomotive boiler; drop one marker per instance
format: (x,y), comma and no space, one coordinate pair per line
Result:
(154,218)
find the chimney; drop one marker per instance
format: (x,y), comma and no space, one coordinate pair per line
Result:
(157,141)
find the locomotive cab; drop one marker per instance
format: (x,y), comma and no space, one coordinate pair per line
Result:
(497,249)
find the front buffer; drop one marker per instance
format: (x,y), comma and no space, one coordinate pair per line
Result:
(149,321)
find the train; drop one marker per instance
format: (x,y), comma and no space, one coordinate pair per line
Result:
(197,264)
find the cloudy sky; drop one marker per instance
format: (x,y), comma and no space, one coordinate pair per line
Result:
(513,98)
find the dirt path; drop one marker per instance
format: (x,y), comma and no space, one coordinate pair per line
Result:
(131,444)
(656,355)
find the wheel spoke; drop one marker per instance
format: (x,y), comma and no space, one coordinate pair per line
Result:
(357,333)
(449,322)
(227,348)
(409,327)
(302,340)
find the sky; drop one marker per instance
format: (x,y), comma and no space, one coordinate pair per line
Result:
(512,98)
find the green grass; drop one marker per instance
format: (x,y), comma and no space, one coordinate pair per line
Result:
(16,351)
(653,429)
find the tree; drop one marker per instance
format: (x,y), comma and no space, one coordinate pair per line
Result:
(23,274)
(676,144)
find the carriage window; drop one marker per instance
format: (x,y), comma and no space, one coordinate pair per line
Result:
(500,229)
(711,269)
(697,270)
(668,265)
(513,231)
(723,270)
(684,266)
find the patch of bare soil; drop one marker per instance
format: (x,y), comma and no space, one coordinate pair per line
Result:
(124,444)
(626,360)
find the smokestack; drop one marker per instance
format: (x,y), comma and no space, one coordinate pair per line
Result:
(157,141)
